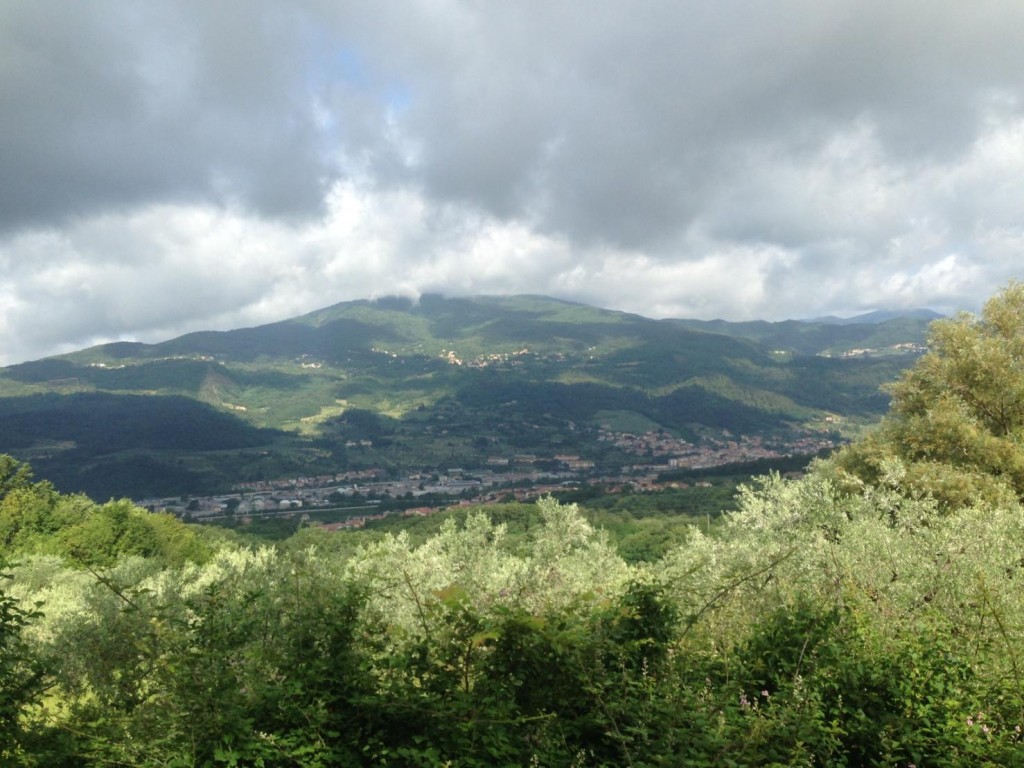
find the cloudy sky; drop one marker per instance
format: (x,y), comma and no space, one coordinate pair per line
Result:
(176,165)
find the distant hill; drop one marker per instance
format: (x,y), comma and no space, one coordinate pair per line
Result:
(879,316)
(399,384)
(880,332)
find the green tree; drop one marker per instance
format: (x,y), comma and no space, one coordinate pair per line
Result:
(955,429)
(14,475)
(21,678)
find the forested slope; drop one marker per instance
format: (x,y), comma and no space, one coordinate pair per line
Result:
(509,375)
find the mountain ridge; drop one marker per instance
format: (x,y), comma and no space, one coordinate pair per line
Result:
(878,316)
(452,381)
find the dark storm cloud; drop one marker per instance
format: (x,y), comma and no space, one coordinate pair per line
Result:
(617,121)
(611,122)
(119,104)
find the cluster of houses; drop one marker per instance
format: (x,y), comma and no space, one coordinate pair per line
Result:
(360,492)
(659,445)
(894,349)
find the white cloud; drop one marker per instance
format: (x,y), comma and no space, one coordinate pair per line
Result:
(193,165)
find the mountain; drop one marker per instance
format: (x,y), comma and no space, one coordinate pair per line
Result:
(879,332)
(879,316)
(399,384)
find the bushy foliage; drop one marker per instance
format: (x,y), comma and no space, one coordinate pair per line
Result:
(817,629)
(35,519)
(21,682)
(957,416)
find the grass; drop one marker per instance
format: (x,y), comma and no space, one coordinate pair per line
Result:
(625,421)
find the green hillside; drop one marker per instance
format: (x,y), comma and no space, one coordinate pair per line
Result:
(452,381)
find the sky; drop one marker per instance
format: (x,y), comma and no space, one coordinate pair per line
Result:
(181,165)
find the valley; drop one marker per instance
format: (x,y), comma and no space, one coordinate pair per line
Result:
(409,388)
(344,498)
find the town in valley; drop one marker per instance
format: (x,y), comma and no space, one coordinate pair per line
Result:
(358,496)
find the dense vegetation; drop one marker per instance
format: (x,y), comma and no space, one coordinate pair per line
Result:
(128,445)
(839,619)
(956,424)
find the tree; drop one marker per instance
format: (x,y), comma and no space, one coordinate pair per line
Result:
(14,475)
(21,682)
(955,429)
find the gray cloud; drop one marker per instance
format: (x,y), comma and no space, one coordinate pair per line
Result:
(113,104)
(183,164)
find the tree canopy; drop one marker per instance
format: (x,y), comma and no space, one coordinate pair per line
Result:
(955,429)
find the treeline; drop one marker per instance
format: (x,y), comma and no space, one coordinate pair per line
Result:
(743,469)
(864,615)
(36,520)
(124,445)
(640,528)
(101,423)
